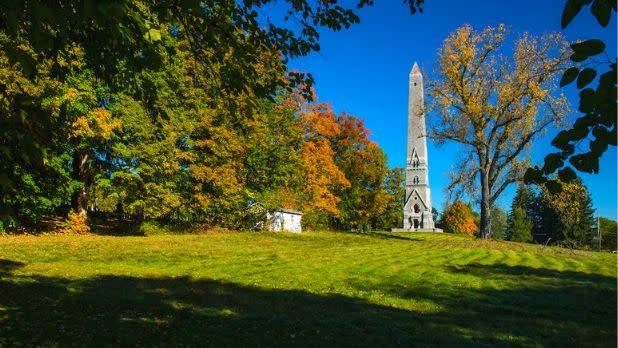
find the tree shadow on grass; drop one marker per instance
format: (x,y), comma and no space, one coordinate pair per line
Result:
(130,311)
(523,305)
(536,274)
(8,266)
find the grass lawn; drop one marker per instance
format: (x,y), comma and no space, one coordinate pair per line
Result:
(314,289)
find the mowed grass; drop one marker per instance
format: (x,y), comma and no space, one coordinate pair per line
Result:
(312,289)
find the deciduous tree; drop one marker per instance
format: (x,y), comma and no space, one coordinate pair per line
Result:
(364,165)
(322,177)
(394,187)
(609,230)
(494,106)
(458,219)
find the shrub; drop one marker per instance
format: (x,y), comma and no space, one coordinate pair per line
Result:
(76,224)
(458,219)
(151,228)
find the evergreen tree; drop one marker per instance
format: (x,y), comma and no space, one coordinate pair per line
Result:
(567,216)
(520,229)
(525,199)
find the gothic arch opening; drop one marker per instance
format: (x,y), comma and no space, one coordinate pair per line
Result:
(417,209)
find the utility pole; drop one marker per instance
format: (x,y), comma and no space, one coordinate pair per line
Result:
(599,229)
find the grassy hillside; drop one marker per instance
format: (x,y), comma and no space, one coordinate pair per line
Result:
(224,289)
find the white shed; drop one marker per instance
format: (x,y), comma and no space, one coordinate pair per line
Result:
(285,220)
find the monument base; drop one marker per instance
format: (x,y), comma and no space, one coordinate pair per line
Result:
(426,230)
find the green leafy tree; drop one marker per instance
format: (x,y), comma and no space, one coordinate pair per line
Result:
(152,107)
(364,165)
(597,126)
(394,187)
(608,233)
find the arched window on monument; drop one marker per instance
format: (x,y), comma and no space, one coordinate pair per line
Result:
(417,209)
(415,180)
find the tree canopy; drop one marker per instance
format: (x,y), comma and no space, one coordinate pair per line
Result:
(494,106)
(177,111)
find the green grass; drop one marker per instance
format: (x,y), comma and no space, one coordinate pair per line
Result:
(314,289)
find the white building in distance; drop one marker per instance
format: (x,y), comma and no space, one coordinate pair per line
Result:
(285,220)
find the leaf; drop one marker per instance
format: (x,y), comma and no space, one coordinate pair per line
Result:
(561,140)
(601,141)
(598,146)
(569,76)
(587,100)
(585,77)
(585,121)
(153,35)
(553,186)
(612,140)
(588,48)
(578,133)
(585,162)
(602,11)
(553,161)
(578,57)
(571,9)
(566,174)
(534,175)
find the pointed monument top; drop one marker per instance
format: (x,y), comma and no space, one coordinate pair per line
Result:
(415,70)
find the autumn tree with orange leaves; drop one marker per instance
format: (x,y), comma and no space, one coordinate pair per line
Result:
(322,176)
(364,164)
(458,219)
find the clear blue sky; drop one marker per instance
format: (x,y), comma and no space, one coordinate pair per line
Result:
(364,71)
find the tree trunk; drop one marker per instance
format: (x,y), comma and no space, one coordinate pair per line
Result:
(485,228)
(80,173)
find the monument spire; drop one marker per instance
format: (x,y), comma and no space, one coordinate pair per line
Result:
(415,70)
(417,207)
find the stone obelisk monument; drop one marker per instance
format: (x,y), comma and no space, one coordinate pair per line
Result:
(417,215)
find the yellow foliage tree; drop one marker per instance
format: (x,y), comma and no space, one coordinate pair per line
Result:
(495,106)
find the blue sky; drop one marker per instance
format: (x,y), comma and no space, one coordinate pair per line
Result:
(364,71)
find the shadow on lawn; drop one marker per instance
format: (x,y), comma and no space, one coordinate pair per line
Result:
(8,266)
(128,311)
(534,305)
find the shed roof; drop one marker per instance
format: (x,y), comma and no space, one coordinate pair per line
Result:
(289,211)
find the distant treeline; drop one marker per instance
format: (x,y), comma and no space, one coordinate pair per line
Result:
(565,218)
